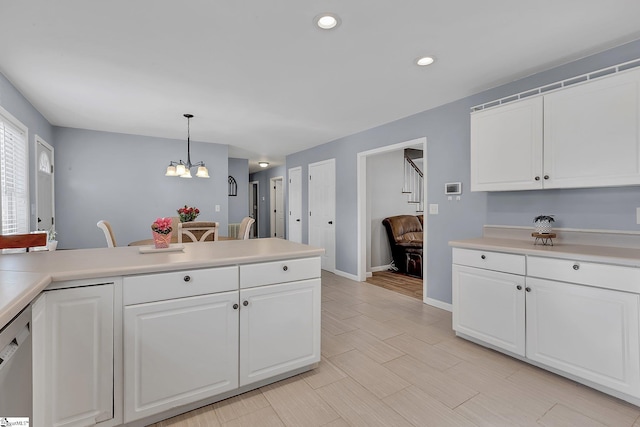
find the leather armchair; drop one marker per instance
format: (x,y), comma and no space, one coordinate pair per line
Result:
(406,239)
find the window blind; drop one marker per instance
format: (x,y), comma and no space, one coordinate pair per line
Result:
(14,178)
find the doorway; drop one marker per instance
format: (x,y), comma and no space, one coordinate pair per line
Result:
(276,206)
(45,205)
(254,206)
(364,225)
(295,204)
(322,210)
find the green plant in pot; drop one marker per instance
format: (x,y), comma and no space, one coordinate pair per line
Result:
(543,223)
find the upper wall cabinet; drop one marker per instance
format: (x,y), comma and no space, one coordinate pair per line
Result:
(587,135)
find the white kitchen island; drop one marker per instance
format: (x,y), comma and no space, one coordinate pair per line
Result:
(125,338)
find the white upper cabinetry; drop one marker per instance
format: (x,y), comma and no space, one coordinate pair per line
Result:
(585,135)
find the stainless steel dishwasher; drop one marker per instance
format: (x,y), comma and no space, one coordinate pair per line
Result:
(15,367)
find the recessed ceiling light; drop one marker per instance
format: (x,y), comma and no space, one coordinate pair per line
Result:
(425,60)
(327,21)
(263,164)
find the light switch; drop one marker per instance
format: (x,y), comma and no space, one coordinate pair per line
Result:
(217,208)
(433,209)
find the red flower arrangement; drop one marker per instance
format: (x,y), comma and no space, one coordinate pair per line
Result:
(162,226)
(188,213)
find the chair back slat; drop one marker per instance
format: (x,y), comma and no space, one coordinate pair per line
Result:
(198,231)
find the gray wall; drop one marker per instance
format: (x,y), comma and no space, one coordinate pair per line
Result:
(447,131)
(239,205)
(18,106)
(263,177)
(120,178)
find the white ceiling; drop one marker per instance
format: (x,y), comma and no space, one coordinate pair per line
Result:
(260,77)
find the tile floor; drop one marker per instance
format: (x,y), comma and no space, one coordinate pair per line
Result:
(389,360)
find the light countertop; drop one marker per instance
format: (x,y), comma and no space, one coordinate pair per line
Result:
(595,253)
(23,276)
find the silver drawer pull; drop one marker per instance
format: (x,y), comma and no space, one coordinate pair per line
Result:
(483,256)
(187,278)
(285,268)
(576,266)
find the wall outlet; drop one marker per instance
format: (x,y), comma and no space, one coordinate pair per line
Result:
(433,209)
(217,208)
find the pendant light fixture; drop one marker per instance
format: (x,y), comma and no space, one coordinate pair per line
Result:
(182,169)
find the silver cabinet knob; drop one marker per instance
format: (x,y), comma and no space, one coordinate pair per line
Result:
(546,177)
(245,303)
(519,287)
(483,256)
(187,278)
(528,289)
(576,266)
(537,178)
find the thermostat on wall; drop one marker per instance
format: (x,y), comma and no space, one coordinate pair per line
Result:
(453,188)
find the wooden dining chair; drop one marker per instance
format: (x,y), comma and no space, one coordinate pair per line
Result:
(23,241)
(108,233)
(245,228)
(198,231)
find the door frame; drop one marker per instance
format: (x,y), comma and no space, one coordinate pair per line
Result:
(38,140)
(289,198)
(254,189)
(362,211)
(272,202)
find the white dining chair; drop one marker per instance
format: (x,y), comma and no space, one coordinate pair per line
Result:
(198,231)
(245,228)
(108,233)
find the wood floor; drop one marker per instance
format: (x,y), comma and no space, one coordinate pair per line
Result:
(406,285)
(389,360)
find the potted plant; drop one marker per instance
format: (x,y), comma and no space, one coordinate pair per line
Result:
(52,243)
(161,229)
(188,213)
(543,223)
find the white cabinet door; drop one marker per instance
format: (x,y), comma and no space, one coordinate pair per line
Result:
(489,306)
(592,133)
(506,147)
(73,356)
(179,351)
(279,329)
(588,332)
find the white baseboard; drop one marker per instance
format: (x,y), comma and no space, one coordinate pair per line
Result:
(369,274)
(438,304)
(347,275)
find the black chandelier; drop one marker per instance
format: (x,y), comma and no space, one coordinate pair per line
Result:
(182,169)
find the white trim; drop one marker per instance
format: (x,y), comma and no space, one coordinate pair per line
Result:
(362,203)
(438,304)
(22,127)
(346,275)
(257,218)
(379,268)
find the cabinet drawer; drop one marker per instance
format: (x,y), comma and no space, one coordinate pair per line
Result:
(268,273)
(585,273)
(178,284)
(497,261)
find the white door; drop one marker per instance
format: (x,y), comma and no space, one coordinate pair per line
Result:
(179,351)
(44,185)
(585,331)
(489,305)
(73,356)
(279,329)
(295,204)
(276,203)
(322,210)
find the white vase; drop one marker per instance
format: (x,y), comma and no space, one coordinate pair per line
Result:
(543,226)
(52,245)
